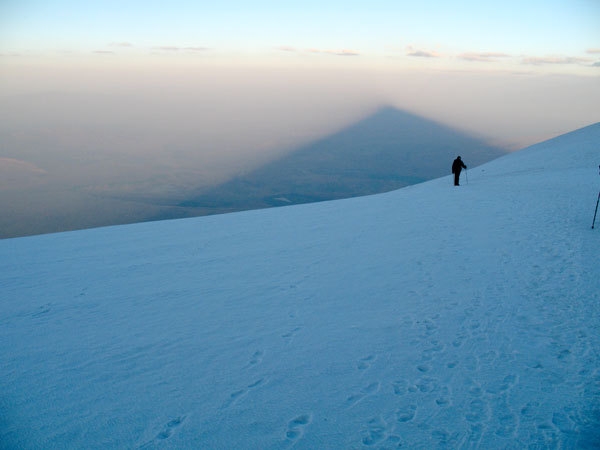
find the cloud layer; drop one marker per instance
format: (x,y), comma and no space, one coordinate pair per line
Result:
(421,53)
(565,60)
(483,57)
(342,52)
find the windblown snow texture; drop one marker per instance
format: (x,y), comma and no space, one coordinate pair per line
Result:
(433,316)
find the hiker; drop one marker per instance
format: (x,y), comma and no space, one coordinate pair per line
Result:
(457,166)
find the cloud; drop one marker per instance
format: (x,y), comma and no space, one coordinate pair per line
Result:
(19,165)
(482,57)
(343,52)
(172,48)
(334,52)
(593,51)
(537,61)
(596,64)
(104,52)
(168,48)
(421,53)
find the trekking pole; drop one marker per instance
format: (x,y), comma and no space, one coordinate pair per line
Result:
(597,201)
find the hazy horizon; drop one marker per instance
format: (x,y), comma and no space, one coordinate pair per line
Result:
(85,183)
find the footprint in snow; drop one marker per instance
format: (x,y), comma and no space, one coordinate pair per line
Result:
(432,350)
(400,387)
(506,383)
(444,438)
(290,334)
(376,432)
(235,396)
(42,310)
(530,410)
(170,428)
(430,328)
(477,411)
(426,384)
(563,422)
(406,413)
(460,339)
(444,398)
(296,427)
(424,368)
(365,363)
(507,424)
(256,357)
(474,325)
(167,431)
(364,392)
(564,355)
(256,383)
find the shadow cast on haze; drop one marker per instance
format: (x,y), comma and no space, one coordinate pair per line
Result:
(388,150)
(90,177)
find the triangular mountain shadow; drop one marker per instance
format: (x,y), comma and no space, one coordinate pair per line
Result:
(386,151)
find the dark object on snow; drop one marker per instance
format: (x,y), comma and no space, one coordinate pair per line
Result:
(597,201)
(457,166)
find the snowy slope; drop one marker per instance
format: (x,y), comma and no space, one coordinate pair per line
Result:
(429,317)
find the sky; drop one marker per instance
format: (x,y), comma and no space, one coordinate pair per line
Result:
(536,32)
(181,94)
(51,45)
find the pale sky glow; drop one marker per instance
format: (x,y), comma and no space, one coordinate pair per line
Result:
(99,46)
(562,31)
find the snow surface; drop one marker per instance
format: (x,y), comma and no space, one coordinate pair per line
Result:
(429,317)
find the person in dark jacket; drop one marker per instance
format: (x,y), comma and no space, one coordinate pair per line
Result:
(457,166)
